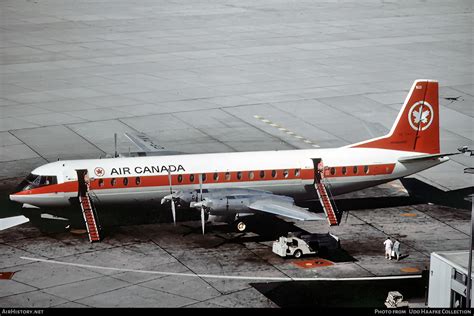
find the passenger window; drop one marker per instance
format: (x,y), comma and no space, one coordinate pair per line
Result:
(137,180)
(191,177)
(204,177)
(297,172)
(239,175)
(227,176)
(251,175)
(262,174)
(101,182)
(125,181)
(333,171)
(180,178)
(355,170)
(366,169)
(216,176)
(285,173)
(344,170)
(274,173)
(113,182)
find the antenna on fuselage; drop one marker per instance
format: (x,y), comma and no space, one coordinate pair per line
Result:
(115,145)
(203,219)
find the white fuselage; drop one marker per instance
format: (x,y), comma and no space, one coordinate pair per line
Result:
(290,172)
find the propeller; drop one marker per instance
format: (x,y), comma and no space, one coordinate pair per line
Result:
(170,198)
(203,223)
(203,205)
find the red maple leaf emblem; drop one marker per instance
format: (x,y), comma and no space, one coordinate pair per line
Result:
(99,171)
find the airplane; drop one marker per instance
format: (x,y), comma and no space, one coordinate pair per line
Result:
(230,187)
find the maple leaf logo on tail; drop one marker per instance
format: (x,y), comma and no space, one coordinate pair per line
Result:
(420,115)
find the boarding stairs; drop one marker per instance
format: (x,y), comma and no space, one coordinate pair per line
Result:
(90,217)
(328,206)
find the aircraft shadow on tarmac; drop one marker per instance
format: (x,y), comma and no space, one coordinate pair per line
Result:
(423,193)
(266,230)
(337,294)
(419,193)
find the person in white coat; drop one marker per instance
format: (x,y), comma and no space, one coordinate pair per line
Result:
(396,249)
(388,248)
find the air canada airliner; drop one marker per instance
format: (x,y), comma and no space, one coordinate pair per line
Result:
(239,184)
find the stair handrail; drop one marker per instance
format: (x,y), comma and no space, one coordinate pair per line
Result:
(327,186)
(94,212)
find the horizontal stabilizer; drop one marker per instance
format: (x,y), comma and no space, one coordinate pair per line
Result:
(424,157)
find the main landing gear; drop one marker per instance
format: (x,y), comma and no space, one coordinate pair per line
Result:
(240,226)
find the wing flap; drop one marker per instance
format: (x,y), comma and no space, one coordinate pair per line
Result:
(285,209)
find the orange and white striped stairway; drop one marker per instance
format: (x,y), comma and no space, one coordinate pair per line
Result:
(93,228)
(326,203)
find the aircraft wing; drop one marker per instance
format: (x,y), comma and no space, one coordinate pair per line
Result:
(12,221)
(285,209)
(147,147)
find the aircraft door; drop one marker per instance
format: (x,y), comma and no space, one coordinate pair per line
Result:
(83,182)
(318,170)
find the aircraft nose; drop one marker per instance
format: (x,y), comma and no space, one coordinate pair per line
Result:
(15,197)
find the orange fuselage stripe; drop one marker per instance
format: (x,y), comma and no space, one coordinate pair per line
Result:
(232,178)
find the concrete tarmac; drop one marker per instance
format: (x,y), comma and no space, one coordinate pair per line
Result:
(209,77)
(161,265)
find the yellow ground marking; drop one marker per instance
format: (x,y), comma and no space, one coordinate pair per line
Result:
(283,129)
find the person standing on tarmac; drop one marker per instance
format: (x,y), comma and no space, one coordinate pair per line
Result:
(388,248)
(396,249)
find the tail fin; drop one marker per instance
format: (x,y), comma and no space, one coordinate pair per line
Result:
(417,125)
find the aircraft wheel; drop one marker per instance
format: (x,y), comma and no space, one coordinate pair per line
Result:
(298,254)
(241,226)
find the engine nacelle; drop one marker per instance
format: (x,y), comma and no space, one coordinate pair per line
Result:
(226,205)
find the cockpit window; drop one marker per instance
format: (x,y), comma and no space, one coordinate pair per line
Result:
(33,181)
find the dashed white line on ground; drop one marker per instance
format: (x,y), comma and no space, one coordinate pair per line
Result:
(283,129)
